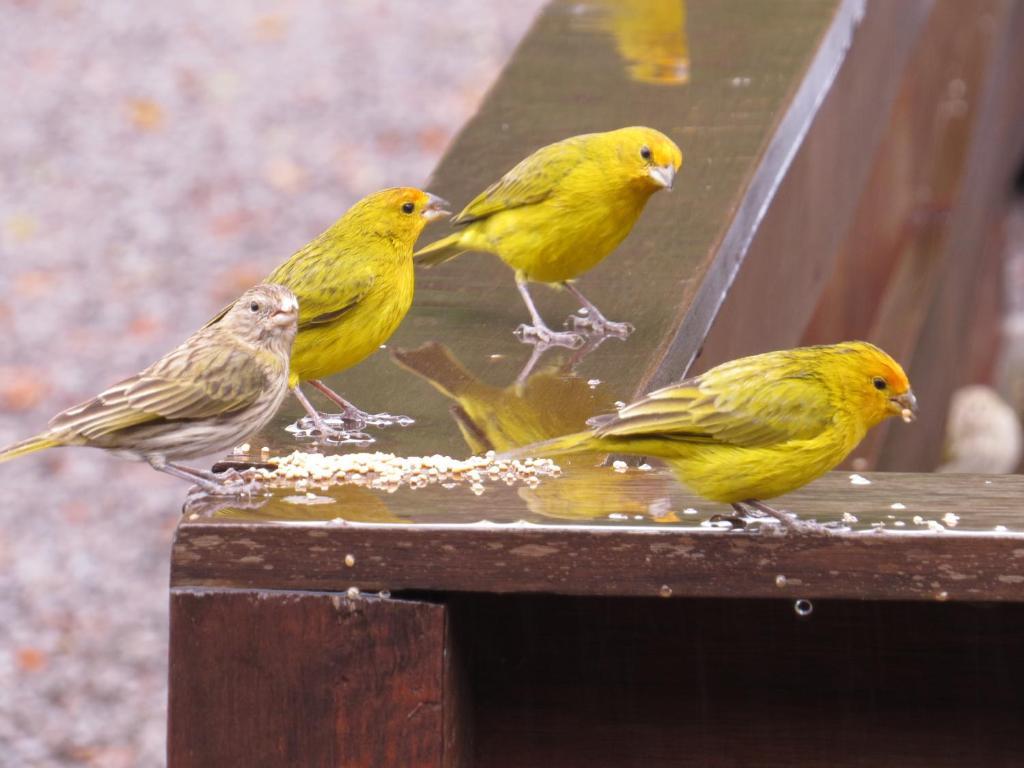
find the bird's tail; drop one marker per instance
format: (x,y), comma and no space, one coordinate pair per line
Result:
(33,444)
(440,251)
(578,442)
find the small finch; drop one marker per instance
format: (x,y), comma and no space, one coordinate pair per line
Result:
(560,212)
(757,427)
(354,284)
(222,385)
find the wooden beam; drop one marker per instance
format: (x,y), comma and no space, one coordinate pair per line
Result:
(261,678)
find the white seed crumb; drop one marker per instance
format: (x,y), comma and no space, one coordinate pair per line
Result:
(856,479)
(350,561)
(353,592)
(918,520)
(848,518)
(897,505)
(620,466)
(951,519)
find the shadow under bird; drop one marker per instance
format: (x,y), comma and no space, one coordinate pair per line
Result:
(757,427)
(354,284)
(224,383)
(559,212)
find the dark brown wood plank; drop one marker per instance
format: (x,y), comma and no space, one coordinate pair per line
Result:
(629,683)
(909,561)
(277,679)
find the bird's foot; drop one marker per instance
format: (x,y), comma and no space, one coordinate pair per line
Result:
(595,324)
(789,521)
(543,337)
(330,429)
(231,482)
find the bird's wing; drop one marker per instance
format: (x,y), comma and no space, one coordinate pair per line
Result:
(325,291)
(531,181)
(742,407)
(195,381)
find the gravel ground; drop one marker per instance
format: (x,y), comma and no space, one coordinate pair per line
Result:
(156,159)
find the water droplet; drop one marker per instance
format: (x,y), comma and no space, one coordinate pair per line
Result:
(942,596)
(803,607)
(350,561)
(353,592)
(665,591)
(780,581)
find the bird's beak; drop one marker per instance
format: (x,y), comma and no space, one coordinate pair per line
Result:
(436,208)
(285,314)
(663,175)
(905,406)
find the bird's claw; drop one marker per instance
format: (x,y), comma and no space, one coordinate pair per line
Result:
(331,429)
(230,483)
(596,325)
(544,338)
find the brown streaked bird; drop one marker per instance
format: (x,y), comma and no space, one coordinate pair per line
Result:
(224,383)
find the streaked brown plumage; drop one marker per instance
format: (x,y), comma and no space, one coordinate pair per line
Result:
(223,383)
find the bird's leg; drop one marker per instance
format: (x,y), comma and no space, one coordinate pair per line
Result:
(315,426)
(357,417)
(592,320)
(788,519)
(539,334)
(226,484)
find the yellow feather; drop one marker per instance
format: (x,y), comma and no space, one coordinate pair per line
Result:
(757,427)
(565,207)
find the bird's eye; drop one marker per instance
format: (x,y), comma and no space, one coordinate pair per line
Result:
(645,152)
(879,382)
(408,207)
(254,307)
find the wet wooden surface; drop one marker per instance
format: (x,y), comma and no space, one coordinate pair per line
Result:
(906,538)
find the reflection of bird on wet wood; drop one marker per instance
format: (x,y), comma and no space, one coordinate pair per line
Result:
(355,285)
(649,34)
(550,402)
(757,427)
(222,385)
(560,212)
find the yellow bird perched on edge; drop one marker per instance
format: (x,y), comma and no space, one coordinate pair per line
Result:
(561,211)
(354,284)
(221,385)
(757,427)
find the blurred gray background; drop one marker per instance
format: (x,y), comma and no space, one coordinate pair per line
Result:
(158,158)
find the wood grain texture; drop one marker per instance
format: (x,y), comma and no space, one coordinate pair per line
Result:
(274,679)
(629,683)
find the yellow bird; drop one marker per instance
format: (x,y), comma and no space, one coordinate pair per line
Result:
(561,211)
(757,427)
(354,284)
